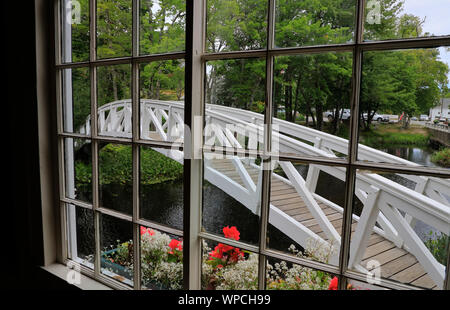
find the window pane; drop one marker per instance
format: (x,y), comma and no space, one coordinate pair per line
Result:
(354,285)
(115,177)
(161,260)
(114,28)
(402,107)
(75,30)
(77,100)
(78,171)
(312,104)
(306,207)
(302,23)
(80,233)
(401,230)
(281,275)
(235,25)
(225,267)
(162,26)
(116,244)
(235,103)
(405,19)
(231,196)
(114,101)
(162,100)
(161,186)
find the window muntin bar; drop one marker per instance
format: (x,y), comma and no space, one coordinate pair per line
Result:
(358,47)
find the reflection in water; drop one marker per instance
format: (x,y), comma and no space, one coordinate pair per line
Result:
(163,203)
(416,155)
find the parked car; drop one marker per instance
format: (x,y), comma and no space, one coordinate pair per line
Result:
(377,117)
(344,112)
(414,118)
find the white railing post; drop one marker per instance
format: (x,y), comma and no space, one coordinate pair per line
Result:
(364,228)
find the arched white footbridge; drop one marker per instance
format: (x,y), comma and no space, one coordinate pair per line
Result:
(384,231)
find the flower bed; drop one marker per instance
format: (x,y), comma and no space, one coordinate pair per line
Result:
(224,267)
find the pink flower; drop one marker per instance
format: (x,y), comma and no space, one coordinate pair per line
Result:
(146,231)
(143,230)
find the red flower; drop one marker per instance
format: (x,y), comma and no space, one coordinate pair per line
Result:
(231,233)
(175,244)
(333,284)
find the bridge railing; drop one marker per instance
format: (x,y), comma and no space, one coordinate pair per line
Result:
(390,209)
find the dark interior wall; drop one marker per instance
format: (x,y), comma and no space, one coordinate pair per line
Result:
(22,246)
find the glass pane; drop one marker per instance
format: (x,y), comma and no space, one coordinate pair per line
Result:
(161,260)
(235,103)
(281,275)
(354,285)
(77,100)
(306,207)
(162,100)
(162,26)
(114,28)
(75,30)
(401,230)
(405,19)
(80,234)
(231,196)
(78,171)
(161,186)
(312,104)
(302,23)
(235,25)
(404,107)
(225,267)
(115,175)
(116,244)
(114,100)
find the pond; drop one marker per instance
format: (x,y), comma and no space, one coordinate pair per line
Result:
(163,203)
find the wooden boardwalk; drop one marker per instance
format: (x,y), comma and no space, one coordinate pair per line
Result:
(396,264)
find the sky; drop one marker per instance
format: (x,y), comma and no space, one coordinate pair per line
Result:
(437,22)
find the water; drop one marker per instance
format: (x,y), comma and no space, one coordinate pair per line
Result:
(421,156)
(163,203)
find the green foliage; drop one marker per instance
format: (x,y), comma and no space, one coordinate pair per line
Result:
(442,157)
(407,81)
(115,167)
(438,244)
(377,139)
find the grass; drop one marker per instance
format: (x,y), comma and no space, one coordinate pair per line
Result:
(394,135)
(442,157)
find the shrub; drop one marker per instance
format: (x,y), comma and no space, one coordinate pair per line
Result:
(442,157)
(437,244)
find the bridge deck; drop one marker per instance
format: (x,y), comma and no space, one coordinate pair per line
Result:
(396,263)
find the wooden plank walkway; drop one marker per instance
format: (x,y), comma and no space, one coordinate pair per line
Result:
(396,264)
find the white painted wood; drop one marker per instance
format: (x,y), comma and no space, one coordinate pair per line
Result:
(300,186)
(364,228)
(434,269)
(428,203)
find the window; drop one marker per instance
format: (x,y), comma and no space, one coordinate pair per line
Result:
(309,173)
